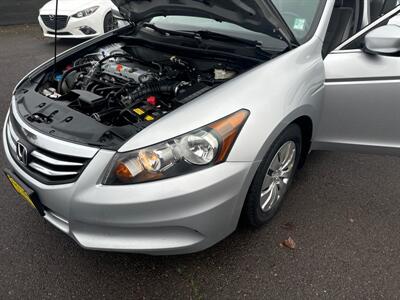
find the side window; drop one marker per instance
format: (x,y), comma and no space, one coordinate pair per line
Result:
(380,8)
(348,17)
(344,23)
(358,43)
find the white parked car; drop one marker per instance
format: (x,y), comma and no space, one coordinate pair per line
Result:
(77,19)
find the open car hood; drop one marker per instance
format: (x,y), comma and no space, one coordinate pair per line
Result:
(257,15)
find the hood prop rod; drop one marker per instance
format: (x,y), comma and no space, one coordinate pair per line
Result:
(55,39)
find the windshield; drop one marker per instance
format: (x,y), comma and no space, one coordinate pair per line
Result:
(189,23)
(299,15)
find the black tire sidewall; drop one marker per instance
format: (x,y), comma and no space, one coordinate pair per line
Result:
(107,19)
(253,212)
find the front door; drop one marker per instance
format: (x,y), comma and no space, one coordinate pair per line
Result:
(361,109)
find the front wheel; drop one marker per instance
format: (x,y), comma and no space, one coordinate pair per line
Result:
(274,177)
(110,23)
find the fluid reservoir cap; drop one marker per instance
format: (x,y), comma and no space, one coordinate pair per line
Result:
(152,100)
(119,68)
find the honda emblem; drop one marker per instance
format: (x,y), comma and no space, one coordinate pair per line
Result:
(22,153)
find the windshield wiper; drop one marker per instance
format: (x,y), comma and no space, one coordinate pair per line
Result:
(203,35)
(210,35)
(167,32)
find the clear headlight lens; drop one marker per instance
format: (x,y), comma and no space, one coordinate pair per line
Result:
(196,150)
(86,12)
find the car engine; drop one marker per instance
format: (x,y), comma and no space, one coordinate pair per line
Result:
(117,87)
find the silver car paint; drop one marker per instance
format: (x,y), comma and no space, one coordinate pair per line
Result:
(44,141)
(276,93)
(179,215)
(384,40)
(273,103)
(361,101)
(193,212)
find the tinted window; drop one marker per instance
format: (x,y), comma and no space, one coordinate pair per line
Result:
(381,7)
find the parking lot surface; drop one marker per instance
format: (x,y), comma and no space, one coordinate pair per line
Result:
(342,212)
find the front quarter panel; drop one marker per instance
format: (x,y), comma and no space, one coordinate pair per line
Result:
(275,93)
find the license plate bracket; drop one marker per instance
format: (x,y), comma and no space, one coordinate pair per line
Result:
(25,191)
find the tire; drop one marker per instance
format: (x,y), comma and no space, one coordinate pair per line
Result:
(272,182)
(109,22)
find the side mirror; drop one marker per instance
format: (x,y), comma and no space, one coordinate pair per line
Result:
(395,20)
(383,40)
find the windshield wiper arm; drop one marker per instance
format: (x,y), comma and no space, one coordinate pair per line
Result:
(205,34)
(168,32)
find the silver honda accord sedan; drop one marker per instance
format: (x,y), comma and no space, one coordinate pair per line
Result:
(158,137)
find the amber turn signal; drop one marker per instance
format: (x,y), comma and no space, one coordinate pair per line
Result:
(228,130)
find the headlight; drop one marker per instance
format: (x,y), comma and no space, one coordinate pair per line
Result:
(196,150)
(86,12)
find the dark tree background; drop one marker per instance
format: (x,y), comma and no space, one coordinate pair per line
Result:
(19,11)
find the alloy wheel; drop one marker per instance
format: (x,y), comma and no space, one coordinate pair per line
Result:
(278,176)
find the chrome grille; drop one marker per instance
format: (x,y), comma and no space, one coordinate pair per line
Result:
(50,21)
(44,165)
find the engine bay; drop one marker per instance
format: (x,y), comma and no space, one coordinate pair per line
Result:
(117,87)
(106,93)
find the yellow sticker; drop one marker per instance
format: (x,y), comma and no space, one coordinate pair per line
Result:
(21,191)
(139,111)
(149,118)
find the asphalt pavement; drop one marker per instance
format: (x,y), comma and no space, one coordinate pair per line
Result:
(342,212)
(19,11)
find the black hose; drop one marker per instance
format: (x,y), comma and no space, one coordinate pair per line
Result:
(66,73)
(156,88)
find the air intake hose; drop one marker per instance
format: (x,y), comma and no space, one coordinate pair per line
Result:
(157,88)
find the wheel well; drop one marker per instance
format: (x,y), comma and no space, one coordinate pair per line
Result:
(306,125)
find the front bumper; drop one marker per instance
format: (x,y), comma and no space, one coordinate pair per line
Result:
(174,216)
(73,28)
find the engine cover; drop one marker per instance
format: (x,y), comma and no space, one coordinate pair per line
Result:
(128,72)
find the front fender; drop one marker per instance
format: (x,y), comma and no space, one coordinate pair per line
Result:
(273,95)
